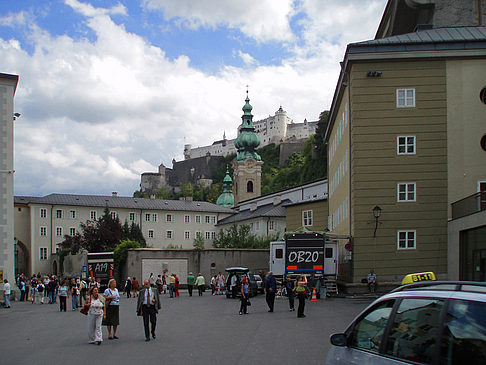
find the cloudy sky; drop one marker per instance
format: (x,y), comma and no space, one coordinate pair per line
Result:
(110,89)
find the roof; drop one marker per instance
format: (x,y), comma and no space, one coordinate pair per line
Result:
(123,202)
(291,204)
(430,39)
(268,210)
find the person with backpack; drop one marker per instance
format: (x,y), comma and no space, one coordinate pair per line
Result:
(40,293)
(83,290)
(128,287)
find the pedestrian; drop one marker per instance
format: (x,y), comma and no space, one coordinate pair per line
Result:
(190,283)
(83,290)
(63,295)
(40,292)
(171,285)
(245,296)
(176,286)
(6,293)
(52,290)
(371,279)
(234,285)
(200,283)
(289,287)
(300,291)
(74,294)
(213,285)
(96,314)
(128,287)
(112,298)
(220,283)
(271,289)
(148,306)
(164,282)
(152,280)
(46,286)
(158,284)
(33,289)
(22,289)
(135,286)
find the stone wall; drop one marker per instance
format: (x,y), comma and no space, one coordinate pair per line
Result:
(193,261)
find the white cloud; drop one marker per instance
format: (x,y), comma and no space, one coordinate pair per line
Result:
(262,20)
(96,114)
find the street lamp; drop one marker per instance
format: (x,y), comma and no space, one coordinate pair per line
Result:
(376,214)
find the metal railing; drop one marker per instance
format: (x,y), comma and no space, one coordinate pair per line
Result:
(472,204)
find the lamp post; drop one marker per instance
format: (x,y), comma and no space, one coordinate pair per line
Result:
(376,214)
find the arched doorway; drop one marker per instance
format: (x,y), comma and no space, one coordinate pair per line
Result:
(54,267)
(22,259)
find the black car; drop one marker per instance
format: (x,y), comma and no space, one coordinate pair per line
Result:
(235,275)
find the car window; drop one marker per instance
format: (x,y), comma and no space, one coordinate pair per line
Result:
(415,330)
(368,331)
(464,338)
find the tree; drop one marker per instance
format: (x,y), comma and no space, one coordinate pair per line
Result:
(120,254)
(198,242)
(240,237)
(133,233)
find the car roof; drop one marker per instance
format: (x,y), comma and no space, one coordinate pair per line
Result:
(237,269)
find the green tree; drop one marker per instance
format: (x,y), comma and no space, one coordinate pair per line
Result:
(241,237)
(198,242)
(133,232)
(120,254)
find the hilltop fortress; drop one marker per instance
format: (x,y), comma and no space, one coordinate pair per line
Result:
(200,163)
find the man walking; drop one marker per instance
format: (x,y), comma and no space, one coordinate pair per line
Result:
(271,289)
(148,306)
(190,283)
(6,293)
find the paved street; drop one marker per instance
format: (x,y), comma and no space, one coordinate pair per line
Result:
(197,330)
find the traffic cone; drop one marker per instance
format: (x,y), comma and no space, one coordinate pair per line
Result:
(314,296)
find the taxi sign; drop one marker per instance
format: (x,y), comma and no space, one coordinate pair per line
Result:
(420,276)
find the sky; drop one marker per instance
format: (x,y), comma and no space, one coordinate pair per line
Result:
(111,89)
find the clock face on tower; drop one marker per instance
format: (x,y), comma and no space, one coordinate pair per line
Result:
(250,163)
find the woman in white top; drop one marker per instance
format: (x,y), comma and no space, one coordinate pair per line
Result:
(96,314)
(113,309)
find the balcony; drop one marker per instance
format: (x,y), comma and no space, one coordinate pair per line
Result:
(472,204)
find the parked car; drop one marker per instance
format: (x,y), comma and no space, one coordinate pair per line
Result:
(435,322)
(239,273)
(259,281)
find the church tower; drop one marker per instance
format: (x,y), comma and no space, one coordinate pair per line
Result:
(247,165)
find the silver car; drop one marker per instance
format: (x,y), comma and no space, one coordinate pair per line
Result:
(425,323)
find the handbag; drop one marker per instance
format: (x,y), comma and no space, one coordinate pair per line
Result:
(248,303)
(84,310)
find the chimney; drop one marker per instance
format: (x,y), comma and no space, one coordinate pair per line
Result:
(152,196)
(277,200)
(253,207)
(114,194)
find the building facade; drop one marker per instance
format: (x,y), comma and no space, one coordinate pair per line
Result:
(41,223)
(404,143)
(8,85)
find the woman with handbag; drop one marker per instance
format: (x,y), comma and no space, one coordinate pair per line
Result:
(112,319)
(96,313)
(300,291)
(245,296)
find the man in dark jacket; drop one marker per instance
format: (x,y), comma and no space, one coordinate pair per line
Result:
(148,306)
(270,289)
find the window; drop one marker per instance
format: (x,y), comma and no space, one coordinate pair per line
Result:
(43,253)
(208,235)
(59,213)
(43,212)
(187,219)
(464,338)
(187,235)
(72,214)
(72,231)
(271,225)
(415,329)
(406,192)
(169,235)
(147,217)
(405,98)
(279,253)
(150,233)
(213,235)
(168,218)
(154,217)
(406,145)
(257,225)
(198,219)
(329,253)
(43,231)
(213,219)
(249,187)
(207,219)
(307,218)
(92,215)
(59,231)
(368,330)
(198,234)
(406,240)
(131,217)
(114,215)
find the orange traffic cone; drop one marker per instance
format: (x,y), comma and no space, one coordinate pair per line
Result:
(314,296)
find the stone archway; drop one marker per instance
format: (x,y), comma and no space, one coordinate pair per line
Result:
(22,259)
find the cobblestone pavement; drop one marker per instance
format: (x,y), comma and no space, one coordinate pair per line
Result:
(190,330)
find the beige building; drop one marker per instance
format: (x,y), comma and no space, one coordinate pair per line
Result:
(41,223)
(404,142)
(311,215)
(8,85)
